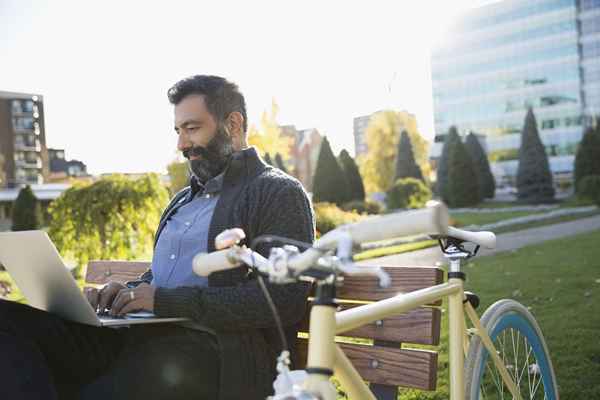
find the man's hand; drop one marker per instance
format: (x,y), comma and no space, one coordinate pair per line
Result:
(129,300)
(103,298)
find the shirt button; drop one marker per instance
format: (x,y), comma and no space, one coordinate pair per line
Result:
(207,195)
(172,256)
(188,223)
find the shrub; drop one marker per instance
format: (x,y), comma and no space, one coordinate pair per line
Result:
(329,217)
(408,193)
(329,182)
(587,159)
(363,207)
(463,188)
(443,168)
(589,188)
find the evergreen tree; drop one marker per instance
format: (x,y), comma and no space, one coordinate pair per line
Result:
(463,190)
(587,159)
(353,177)
(485,179)
(279,163)
(441,187)
(406,166)
(329,182)
(268,159)
(534,179)
(26,211)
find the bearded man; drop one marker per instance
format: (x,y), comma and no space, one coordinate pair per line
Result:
(229,348)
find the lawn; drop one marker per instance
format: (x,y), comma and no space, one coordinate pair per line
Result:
(560,282)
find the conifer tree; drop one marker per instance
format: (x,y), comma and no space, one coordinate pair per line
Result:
(534,179)
(463,190)
(329,182)
(268,159)
(587,159)
(353,177)
(485,179)
(279,163)
(406,166)
(26,211)
(442,168)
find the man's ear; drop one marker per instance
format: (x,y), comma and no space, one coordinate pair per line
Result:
(235,124)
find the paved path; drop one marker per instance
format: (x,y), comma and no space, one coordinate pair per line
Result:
(505,242)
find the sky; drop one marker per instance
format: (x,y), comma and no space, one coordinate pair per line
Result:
(103,67)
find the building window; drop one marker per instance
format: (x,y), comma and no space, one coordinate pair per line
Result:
(16,107)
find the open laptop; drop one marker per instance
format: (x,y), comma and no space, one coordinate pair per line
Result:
(36,266)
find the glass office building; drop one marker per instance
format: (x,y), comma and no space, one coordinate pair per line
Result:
(502,58)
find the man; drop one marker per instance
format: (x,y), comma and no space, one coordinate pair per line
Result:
(229,349)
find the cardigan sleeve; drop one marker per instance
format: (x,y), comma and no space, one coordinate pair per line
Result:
(285,211)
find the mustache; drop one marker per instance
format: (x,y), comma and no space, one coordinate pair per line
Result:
(194,151)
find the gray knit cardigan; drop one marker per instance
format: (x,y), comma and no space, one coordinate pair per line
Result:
(261,200)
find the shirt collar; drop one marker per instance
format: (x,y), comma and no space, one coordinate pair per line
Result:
(213,185)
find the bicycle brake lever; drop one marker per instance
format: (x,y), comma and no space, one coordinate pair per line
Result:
(349,268)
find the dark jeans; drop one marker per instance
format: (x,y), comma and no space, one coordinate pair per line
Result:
(45,357)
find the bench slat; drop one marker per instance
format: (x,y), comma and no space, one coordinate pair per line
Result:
(404,279)
(421,326)
(102,271)
(388,366)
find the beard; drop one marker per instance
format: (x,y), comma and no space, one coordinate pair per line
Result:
(212,158)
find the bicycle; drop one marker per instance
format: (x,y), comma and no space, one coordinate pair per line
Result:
(503,352)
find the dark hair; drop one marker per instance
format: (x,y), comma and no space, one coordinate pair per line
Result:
(221,96)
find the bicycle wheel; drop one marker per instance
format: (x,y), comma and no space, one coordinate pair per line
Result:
(520,344)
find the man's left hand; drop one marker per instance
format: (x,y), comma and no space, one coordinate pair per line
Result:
(136,299)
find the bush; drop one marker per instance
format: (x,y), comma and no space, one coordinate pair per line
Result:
(26,211)
(329,217)
(363,207)
(408,193)
(589,188)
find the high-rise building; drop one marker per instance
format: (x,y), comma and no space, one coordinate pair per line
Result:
(500,59)
(23,152)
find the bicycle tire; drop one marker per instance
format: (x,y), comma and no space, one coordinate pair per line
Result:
(515,334)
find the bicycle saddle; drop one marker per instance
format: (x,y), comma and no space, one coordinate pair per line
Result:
(483,239)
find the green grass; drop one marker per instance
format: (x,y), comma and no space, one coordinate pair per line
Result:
(479,218)
(560,282)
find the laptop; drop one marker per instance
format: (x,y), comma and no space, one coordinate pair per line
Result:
(35,265)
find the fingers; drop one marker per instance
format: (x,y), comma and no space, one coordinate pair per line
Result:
(92,295)
(143,299)
(120,300)
(135,305)
(108,294)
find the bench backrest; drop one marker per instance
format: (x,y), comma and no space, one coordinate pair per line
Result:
(387,361)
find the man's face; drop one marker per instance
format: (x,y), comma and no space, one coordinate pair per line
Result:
(205,143)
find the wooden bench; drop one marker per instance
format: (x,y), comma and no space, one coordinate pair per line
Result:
(386,361)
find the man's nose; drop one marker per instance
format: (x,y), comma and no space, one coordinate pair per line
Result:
(182,142)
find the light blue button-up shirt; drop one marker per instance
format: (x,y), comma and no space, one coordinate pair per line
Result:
(185,235)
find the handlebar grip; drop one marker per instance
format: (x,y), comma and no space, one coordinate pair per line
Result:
(432,219)
(205,264)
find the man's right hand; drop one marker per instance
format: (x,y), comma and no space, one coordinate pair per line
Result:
(101,299)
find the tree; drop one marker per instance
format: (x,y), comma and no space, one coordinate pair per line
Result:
(463,190)
(355,181)
(534,179)
(268,139)
(279,163)
(441,187)
(179,173)
(587,159)
(113,218)
(329,182)
(267,158)
(407,193)
(485,178)
(406,167)
(382,136)
(26,211)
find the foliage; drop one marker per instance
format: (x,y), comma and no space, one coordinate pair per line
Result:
(268,139)
(329,182)
(363,207)
(534,179)
(406,166)
(279,163)
(504,155)
(589,188)
(329,217)
(408,193)
(26,211)
(113,218)
(441,188)
(463,189)
(587,159)
(355,181)
(382,136)
(180,176)
(267,158)
(485,179)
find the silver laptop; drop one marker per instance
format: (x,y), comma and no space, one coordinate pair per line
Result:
(35,265)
